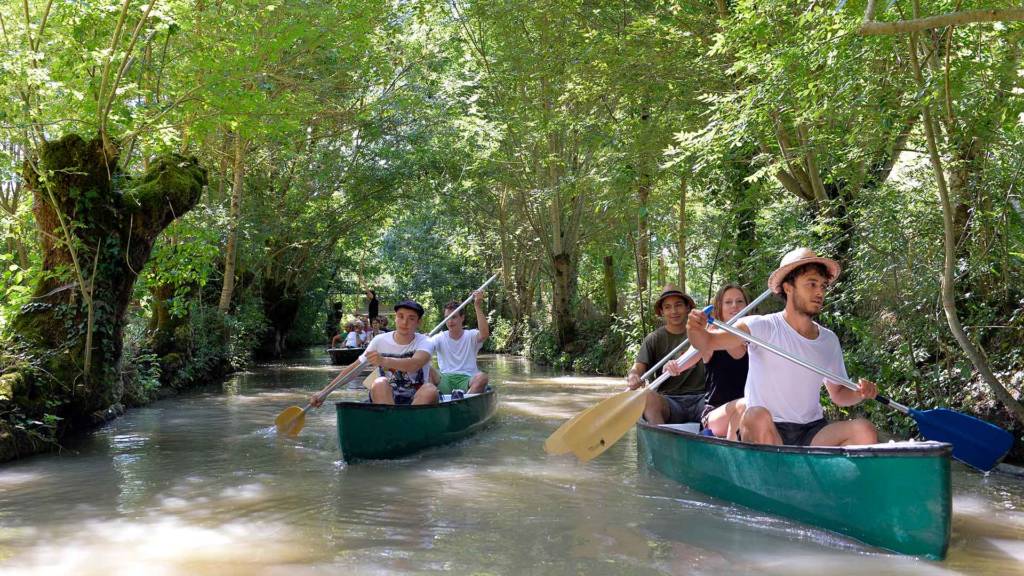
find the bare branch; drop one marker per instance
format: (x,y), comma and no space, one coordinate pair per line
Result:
(869,27)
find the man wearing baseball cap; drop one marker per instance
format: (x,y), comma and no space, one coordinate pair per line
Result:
(783,398)
(680,398)
(402,360)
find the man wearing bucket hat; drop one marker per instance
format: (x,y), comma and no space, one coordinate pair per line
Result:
(680,398)
(783,398)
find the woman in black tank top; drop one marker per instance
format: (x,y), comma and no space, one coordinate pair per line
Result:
(726,371)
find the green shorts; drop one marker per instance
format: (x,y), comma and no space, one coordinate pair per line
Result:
(453,381)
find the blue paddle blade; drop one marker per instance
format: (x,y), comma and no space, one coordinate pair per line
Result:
(975,442)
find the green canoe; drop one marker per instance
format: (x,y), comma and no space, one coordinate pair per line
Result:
(894,496)
(377,431)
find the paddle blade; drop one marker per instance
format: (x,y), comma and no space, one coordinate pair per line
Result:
(555,444)
(290,421)
(975,442)
(597,428)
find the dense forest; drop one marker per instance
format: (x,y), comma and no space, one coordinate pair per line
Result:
(192,185)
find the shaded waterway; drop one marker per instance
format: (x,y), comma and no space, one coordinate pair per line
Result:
(200,484)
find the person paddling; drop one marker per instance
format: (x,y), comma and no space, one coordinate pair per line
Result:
(783,398)
(681,398)
(402,359)
(725,371)
(457,348)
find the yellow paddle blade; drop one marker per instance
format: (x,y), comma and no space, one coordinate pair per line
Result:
(290,421)
(373,375)
(610,425)
(555,444)
(594,430)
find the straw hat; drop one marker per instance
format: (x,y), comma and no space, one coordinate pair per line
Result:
(795,259)
(671,290)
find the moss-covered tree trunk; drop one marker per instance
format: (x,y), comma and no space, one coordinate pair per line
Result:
(96,229)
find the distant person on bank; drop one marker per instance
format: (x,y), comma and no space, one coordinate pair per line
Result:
(681,398)
(402,360)
(784,399)
(456,350)
(372,304)
(725,370)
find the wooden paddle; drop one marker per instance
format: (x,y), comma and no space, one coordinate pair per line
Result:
(975,442)
(597,428)
(291,420)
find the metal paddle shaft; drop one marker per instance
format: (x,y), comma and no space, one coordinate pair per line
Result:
(975,442)
(671,355)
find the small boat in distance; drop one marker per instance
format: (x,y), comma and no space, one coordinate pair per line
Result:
(344,356)
(369,431)
(895,496)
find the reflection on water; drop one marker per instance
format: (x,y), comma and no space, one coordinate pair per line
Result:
(202,485)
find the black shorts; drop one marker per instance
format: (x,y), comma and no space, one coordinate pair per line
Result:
(685,408)
(794,434)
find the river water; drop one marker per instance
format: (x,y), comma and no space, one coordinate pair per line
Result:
(200,484)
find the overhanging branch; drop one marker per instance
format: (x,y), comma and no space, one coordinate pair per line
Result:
(870,27)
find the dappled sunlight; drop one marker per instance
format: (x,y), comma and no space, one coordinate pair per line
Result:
(166,546)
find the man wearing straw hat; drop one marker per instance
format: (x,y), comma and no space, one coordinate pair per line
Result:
(783,398)
(680,398)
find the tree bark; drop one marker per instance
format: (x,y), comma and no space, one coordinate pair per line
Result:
(974,353)
(234,215)
(870,27)
(112,222)
(611,294)
(681,233)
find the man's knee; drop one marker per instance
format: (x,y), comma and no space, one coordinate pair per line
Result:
(863,432)
(380,385)
(756,417)
(427,393)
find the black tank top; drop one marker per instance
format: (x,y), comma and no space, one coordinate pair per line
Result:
(725,378)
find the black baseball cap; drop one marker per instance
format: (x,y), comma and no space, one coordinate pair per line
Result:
(411,305)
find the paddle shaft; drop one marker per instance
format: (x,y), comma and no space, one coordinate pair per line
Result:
(344,377)
(813,368)
(693,352)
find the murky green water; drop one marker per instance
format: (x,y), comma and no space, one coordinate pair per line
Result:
(201,485)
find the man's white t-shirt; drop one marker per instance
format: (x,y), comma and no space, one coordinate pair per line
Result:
(789,391)
(457,356)
(352,340)
(385,345)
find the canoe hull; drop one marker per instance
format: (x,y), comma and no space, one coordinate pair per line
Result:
(898,499)
(376,431)
(344,356)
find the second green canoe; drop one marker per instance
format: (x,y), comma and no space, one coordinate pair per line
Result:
(377,431)
(895,496)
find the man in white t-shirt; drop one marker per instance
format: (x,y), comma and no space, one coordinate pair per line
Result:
(457,347)
(402,360)
(783,398)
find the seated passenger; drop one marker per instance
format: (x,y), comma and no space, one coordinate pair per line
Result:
(725,371)
(681,398)
(456,350)
(351,338)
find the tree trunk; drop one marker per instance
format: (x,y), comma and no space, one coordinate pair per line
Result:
(113,222)
(610,292)
(681,233)
(234,214)
(974,353)
(563,288)
(643,240)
